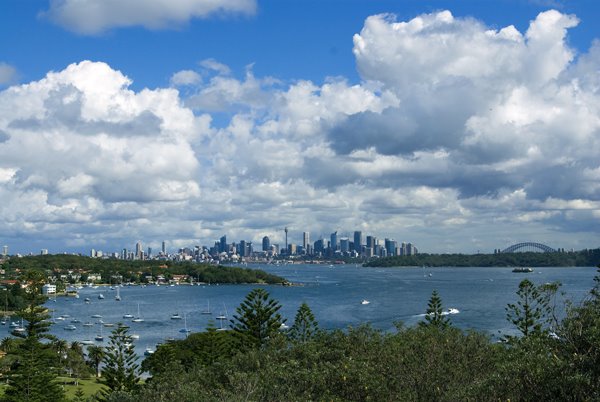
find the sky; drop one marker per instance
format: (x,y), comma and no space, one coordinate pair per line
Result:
(459,126)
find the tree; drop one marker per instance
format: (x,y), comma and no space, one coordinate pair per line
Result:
(533,312)
(120,372)
(32,378)
(434,316)
(95,357)
(305,326)
(257,319)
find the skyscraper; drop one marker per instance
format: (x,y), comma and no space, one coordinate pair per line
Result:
(306,241)
(266,243)
(5,251)
(334,241)
(223,244)
(358,241)
(139,252)
(164,248)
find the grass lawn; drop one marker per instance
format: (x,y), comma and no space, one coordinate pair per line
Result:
(89,386)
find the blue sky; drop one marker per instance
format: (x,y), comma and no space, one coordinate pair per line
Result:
(456,125)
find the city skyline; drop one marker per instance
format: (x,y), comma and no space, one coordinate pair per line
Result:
(460,126)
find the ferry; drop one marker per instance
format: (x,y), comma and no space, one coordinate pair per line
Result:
(522,270)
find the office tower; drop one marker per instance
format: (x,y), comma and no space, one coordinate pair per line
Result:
(334,241)
(357,241)
(5,251)
(266,243)
(164,248)
(306,240)
(344,245)
(371,241)
(390,247)
(292,249)
(44,251)
(149,252)
(320,246)
(138,250)
(242,248)
(223,244)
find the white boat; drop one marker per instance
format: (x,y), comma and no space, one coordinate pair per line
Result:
(207,311)
(70,327)
(100,296)
(87,342)
(185,329)
(19,328)
(88,324)
(127,315)
(149,351)
(283,326)
(96,316)
(365,302)
(138,318)
(176,316)
(118,296)
(135,337)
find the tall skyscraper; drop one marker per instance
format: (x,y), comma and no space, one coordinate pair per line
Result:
(358,241)
(344,245)
(164,248)
(286,241)
(334,241)
(266,244)
(306,241)
(223,244)
(5,250)
(139,252)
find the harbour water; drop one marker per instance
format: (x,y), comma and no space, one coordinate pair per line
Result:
(334,293)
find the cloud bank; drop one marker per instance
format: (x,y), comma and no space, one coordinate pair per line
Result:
(459,137)
(90,17)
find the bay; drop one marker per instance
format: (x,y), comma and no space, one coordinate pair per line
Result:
(334,293)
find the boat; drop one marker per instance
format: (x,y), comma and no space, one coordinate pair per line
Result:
(100,296)
(70,327)
(138,318)
(75,321)
(108,324)
(96,316)
(283,326)
(127,315)
(87,342)
(14,325)
(185,329)
(176,316)
(135,337)
(88,324)
(365,301)
(522,270)
(87,300)
(207,311)
(99,337)
(18,328)
(149,351)
(118,296)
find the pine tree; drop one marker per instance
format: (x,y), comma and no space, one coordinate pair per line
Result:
(33,378)
(305,326)
(434,316)
(532,313)
(120,371)
(257,319)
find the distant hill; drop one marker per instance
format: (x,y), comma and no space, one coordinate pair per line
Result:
(583,258)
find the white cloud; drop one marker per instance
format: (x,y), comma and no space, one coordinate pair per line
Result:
(185,77)
(447,142)
(7,73)
(91,17)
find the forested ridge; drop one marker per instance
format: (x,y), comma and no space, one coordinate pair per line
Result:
(583,258)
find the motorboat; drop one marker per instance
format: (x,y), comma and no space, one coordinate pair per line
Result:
(365,301)
(70,327)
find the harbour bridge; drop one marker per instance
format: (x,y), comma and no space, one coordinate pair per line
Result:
(528,246)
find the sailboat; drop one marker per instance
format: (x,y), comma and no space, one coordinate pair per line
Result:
(118,296)
(207,311)
(185,329)
(138,318)
(222,317)
(99,337)
(19,328)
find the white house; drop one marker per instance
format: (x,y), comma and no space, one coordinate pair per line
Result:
(49,289)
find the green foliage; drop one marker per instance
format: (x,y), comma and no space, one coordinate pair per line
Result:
(533,313)
(135,271)
(305,326)
(583,258)
(434,316)
(120,373)
(257,319)
(95,357)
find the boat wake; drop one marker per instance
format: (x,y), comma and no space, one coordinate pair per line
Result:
(450,311)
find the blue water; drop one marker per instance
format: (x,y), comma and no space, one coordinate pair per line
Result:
(333,293)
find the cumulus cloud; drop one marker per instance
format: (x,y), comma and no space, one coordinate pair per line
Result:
(91,17)
(455,128)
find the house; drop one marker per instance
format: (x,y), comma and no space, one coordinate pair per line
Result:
(49,289)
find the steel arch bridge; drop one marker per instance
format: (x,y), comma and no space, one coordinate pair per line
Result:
(528,246)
